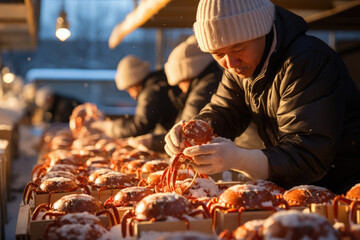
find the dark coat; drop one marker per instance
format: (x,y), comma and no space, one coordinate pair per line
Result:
(199,94)
(61,108)
(306,108)
(153,106)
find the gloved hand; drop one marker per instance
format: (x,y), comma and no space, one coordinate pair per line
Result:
(103,126)
(142,141)
(173,139)
(222,154)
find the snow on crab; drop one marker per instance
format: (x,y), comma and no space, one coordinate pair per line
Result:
(83,226)
(51,186)
(245,197)
(304,195)
(76,203)
(128,196)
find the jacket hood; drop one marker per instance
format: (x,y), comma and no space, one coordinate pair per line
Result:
(288,28)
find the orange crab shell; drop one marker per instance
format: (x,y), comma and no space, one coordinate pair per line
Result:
(154,166)
(304,195)
(131,195)
(83,225)
(268,185)
(115,179)
(77,203)
(57,184)
(197,132)
(247,196)
(161,205)
(298,225)
(354,192)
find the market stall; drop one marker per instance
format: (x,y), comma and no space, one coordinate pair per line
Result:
(87,184)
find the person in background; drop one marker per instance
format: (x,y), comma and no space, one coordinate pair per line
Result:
(197,75)
(154,110)
(53,107)
(293,86)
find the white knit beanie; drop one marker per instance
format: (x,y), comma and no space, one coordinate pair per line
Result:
(131,71)
(222,23)
(186,61)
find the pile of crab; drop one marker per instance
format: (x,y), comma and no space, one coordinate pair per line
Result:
(80,166)
(76,165)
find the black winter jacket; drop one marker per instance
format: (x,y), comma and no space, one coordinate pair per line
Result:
(199,94)
(306,108)
(153,106)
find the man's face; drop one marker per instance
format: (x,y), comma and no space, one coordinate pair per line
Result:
(242,58)
(134,91)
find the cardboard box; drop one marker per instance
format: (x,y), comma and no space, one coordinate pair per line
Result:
(200,225)
(230,221)
(38,227)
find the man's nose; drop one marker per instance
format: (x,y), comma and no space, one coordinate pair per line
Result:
(231,61)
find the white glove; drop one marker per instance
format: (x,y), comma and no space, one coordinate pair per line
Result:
(143,141)
(103,126)
(173,139)
(222,154)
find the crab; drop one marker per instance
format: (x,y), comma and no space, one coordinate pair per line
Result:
(304,195)
(128,196)
(295,224)
(82,116)
(241,197)
(353,195)
(132,166)
(154,166)
(50,186)
(80,225)
(76,203)
(153,181)
(268,185)
(161,206)
(194,132)
(113,180)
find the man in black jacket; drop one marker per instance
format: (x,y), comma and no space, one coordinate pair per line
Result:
(154,109)
(294,88)
(197,75)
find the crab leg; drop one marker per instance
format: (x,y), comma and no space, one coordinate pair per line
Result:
(191,183)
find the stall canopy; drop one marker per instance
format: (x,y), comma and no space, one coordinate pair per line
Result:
(320,14)
(19,24)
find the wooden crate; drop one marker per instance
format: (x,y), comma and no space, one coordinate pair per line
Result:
(37,228)
(22,225)
(230,221)
(328,212)
(200,225)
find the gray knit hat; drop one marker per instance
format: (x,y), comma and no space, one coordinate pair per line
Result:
(131,71)
(186,61)
(222,23)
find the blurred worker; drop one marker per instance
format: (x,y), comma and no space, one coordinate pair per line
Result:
(53,107)
(154,110)
(293,86)
(197,74)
